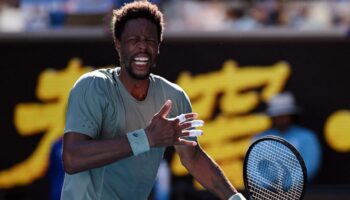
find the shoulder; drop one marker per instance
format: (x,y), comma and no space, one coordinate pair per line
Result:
(166,83)
(181,101)
(96,78)
(302,130)
(267,132)
(172,90)
(98,75)
(304,133)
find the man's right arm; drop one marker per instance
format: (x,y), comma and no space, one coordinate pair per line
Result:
(80,152)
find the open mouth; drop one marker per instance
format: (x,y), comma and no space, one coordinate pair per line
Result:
(141,60)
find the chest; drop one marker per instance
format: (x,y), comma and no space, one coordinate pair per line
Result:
(124,114)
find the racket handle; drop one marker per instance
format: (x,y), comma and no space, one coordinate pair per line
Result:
(237,196)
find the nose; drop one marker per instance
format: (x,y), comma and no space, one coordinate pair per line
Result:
(142,45)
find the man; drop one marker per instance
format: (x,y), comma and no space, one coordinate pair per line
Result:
(119,121)
(283,112)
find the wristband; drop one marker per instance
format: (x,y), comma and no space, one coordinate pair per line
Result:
(237,196)
(138,141)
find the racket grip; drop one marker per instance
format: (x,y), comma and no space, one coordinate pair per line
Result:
(237,196)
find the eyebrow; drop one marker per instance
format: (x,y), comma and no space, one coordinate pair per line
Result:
(136,36)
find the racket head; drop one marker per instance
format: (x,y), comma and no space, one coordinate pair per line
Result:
(274,169)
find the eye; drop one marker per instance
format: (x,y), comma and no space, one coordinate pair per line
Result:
(132,40)
(152,42)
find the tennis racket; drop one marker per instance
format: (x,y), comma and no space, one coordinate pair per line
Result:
(274,170)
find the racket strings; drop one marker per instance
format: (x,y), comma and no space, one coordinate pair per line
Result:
(274,172)
(274,185)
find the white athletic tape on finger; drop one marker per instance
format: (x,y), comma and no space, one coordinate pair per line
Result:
(195,133)
(181,118)
(197,123)
(237,196)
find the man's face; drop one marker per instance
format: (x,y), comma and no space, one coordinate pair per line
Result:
(282,122)
(138,47)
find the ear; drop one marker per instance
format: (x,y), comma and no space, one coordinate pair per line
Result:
(117,44)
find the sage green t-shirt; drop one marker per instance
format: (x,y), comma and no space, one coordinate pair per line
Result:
(100,106)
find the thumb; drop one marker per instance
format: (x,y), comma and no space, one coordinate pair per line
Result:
(164,111)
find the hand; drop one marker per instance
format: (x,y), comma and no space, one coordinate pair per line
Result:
(167,132)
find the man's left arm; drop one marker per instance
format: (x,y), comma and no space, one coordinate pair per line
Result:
(205,170)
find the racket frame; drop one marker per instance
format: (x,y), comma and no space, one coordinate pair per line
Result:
(283,142)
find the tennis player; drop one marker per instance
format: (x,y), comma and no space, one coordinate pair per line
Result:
(119,121)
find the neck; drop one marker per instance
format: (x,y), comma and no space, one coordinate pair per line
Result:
(137,88)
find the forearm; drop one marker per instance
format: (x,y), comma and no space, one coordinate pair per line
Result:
(80,155)
(208,173)
(80,152)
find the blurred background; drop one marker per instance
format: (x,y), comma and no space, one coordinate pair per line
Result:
(231,57)
(182,15)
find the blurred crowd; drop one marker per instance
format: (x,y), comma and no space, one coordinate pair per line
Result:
(216,15)
(253,14)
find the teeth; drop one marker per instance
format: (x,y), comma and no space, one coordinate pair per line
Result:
(140,63)
(141,59)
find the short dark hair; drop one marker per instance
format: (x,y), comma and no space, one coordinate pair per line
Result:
(136,9)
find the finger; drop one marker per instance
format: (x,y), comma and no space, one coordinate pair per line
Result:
(185,125)
(191,124)
(190,133)
(195,133)
(184,117)
(190,116)
(186,142)
(181,118)
(196,123)
(164,111)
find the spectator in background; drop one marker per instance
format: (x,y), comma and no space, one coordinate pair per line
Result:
(277,15)
(12,3)
(10,16)
(89,6)
(56,172)
(284,113)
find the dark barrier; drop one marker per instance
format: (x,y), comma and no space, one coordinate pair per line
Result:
(228,81)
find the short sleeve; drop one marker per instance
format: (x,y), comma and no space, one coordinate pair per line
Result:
(86,104)
(186,104)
